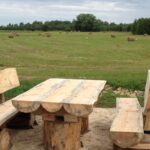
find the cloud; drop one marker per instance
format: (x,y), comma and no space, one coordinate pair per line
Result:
(110,10)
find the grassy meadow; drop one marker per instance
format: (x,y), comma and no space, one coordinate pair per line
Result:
(77,55)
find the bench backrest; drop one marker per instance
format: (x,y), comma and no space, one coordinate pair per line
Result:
(8,80)
(147,94)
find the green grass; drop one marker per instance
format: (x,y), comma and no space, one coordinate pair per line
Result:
(73,55)
(108,99)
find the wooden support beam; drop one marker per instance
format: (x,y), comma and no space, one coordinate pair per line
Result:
(2,98)
(5,139)
(127,127)
(84,124)
(61,135)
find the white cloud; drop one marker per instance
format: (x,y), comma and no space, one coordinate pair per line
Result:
(110,10)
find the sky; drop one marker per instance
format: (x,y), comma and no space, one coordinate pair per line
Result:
(125,11)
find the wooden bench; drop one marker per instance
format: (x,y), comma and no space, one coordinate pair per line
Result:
(9,116)
(129,128)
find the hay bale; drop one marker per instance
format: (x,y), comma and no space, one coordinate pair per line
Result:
(39,34)
(131,39)
(11,36)
(113,35)
(145,34)
(15,34)
(48,35)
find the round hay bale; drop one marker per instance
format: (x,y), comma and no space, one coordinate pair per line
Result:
(11,36)
(131,39)
(113,35)
(15,34)
(39,34)
(48,35)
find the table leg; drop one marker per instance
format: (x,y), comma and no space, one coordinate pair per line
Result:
(2,98)
(62,135)
(84,124)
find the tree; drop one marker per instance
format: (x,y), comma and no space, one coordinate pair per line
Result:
(86,22)
(141,26)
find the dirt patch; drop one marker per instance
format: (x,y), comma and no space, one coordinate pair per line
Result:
(124,91)
(96,139)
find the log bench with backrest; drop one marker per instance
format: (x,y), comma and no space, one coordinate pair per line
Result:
(9,116)
(131,124)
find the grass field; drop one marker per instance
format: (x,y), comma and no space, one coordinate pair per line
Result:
(76,55)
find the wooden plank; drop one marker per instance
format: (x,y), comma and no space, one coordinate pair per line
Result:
(8,79)
(81,103)
(76,96)
(7,111)
(54,102)
(147,94)
(30,100)
(59,118)
(127,127)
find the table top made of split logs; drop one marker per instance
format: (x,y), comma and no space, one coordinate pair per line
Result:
(76,96)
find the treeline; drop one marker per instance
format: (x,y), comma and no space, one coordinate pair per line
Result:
(40,26)
(141,26)
(85,23)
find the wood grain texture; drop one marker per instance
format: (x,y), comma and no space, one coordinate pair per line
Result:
(143,145)
(127,127)
(7,111)
(8,79)
(77,97)
(62,136)
(147,94)
(2,98)
(5,140)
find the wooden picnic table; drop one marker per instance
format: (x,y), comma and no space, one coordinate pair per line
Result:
(65,105)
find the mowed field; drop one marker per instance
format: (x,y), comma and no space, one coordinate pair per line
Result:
(76,55)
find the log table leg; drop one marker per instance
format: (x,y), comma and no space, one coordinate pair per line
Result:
(2,98)
(60,134)
(84,125)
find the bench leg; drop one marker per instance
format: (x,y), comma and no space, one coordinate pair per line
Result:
(22,121)
(5,140)
(60,135)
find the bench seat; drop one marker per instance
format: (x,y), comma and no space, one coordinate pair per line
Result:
(127,127)
(7,111)
(131,122)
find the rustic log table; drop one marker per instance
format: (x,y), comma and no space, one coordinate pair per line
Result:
(65,105)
